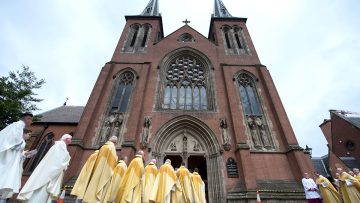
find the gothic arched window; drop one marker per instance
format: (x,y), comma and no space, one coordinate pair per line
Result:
(234,40)
(135,32)
(146,30)
(261,138)
(186,85)
(248,95)
(43,148)
(137,38)
(123,92)
(227,37)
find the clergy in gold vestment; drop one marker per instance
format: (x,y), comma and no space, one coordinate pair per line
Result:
(349,193)
(84,177)
(184,177)
(167,188)
(148,180)
(357,173)
(103,170)
(119,173)
(328,192)
(130,187)
(199,186)
(44,184)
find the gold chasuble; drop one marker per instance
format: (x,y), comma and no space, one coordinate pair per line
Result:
(119,172)
(84,177)
(101,174)
(327,190)
(348,190)
(184,177)
(166,188)
(357,176)
(130,187)
(199,187)
(148,181)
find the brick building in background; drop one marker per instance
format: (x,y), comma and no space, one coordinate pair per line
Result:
(342,132)
(207,101)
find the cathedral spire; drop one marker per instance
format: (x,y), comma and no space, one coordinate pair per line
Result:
(152,9)
(220,10)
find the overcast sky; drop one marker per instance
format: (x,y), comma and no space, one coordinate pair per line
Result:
(310,47)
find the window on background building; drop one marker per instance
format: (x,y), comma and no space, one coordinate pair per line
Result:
(123,92)
(42,148)
(186,85)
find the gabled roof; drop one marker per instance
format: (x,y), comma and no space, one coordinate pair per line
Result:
(351,117)
(184,27)
(63,114)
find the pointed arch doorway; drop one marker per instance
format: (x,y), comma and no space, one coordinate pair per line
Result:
(187,139)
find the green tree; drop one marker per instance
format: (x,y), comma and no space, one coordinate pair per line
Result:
(17,94)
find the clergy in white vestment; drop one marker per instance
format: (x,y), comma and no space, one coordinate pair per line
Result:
(12,144)
(44,184)
(311,190)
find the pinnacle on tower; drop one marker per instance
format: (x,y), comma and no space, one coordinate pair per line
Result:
(220,10)
(152,9)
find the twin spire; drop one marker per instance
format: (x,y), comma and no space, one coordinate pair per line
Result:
(152,9)
(220,11)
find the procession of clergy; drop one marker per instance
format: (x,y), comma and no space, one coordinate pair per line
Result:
(102,179)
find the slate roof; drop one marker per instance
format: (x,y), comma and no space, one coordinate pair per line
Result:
(63,114)
(351,162)
(353,118)
(321,165)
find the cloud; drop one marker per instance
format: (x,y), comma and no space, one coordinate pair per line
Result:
(310,48)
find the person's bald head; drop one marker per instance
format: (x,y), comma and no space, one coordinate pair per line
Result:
(168,161)
(356,170)
(153,161)
(113,139)
(306,175)
(66,138)
(351,172)
(125,159)
(140,152)
(339,170)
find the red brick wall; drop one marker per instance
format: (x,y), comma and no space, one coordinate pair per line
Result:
(343,131)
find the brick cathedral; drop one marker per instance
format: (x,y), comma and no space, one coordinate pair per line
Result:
(207,101)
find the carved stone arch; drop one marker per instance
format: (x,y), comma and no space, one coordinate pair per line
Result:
(112,122)
(258,125)
(201,59)
(252,76)
(226,26)
(212,151)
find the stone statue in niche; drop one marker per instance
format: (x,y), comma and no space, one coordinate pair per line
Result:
(225,134)
(173,146)
(117,126)
(196,146)
(105,133)
(263,134)
(111,127)
(146,132)
(254,133)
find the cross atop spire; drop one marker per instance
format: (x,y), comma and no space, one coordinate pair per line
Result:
(152,9)
(220,10)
